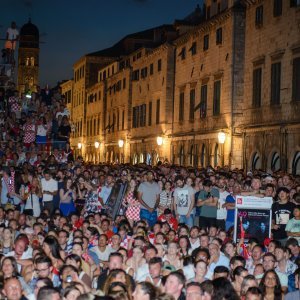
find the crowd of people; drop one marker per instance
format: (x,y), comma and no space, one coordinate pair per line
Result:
(172,237)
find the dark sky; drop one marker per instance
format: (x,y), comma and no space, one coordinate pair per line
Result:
(72,28)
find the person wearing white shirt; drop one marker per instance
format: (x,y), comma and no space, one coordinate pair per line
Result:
(221,211)
(12,35)
(194,237)
(49,189)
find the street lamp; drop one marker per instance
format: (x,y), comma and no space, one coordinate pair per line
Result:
(121,143)
(159,140)
(97,144)
(221,139)
(79,145)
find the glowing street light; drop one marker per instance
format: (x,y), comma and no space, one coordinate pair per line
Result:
(121,143)
(79,145)
(97,144)
(221,137)
(159,140)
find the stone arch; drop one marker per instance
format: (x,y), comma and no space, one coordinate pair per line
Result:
(296,163)
(256,161)
(134,159)
(274,163)
(203,156)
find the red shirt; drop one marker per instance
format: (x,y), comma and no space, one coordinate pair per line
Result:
(172,221)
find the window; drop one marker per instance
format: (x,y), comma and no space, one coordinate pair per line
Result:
(133,117)
(203,101)
(124,83)
(217,98)
(219,36)
(136,75)
(296,79)
(193,49)
(159,65)
(277,8)
(182,53)
(256,91)
(275,83)
(144,72)
(181,106)
(157,111)
(206,42)
(259,15)
(142,109)
(294,3)
(151,69)
(150,114)
(123,119)
(192,104)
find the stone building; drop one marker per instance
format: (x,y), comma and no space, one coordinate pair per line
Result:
(220,87)
(28,58)
(271,109)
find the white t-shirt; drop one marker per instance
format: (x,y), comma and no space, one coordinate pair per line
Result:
(12,33)
(41,130)
(50,186)
(36,204)
(103,256)
(26,255)
(183,199)
(222,212)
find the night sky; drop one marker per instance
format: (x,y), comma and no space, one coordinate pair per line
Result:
(72,28)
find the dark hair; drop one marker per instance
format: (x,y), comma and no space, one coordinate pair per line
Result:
(115,254)
(223,290)
(155,260)
(64,267)
(277,288)
(239,258)
(54,246)
(76,258)
(43,259)
(149,289)
(46,293)
(221,269)
(207,287)
(238,271)
(179,276)
(69,289)
(292,242)
(13,261)
(47,281)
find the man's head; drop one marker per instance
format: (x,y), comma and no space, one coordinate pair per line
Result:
(269,261)
(257,252)
(48,293)
(280,253)
(12,289)
(150,253)
(115,261)
(174,284)
(293,245)
(221,271)
(179,181)
(155,265)
(43,266)
(193,291)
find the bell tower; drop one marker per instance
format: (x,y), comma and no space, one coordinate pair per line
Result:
(28,58)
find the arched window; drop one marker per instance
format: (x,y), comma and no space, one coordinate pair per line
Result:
(296,164)
(216,155)
(203,156)
(32,61)
(135,159)
(275,162)
(181,156)
(148,159)
(192,156)
(256,161)
(141,158)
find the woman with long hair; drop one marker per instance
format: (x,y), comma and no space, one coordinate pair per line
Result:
(184,246)
(229,249)
(118,275)
(52,250)
(9,268)
(67,197)
(130,201)
(7,242)
(270,286)
(238,275)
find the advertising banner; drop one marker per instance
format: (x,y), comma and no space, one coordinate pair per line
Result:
(252,218)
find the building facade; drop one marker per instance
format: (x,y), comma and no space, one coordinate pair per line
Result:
(28,58)
(271,114)
(224,91)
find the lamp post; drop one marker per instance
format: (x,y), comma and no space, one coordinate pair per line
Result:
(121,145)
(221,140)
